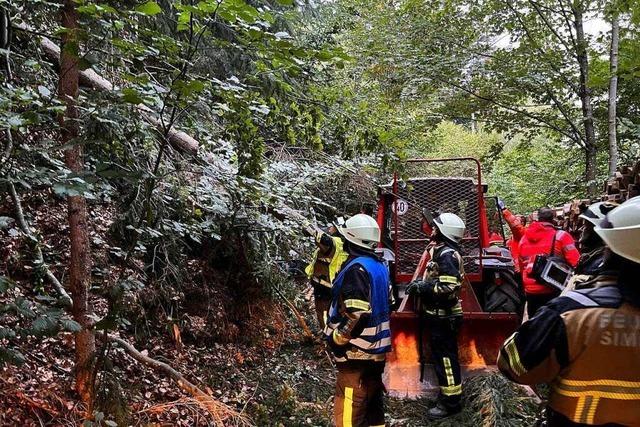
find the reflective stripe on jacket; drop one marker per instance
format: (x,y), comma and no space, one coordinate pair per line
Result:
(323,267)
(447,270)
(375,337)
(586,345)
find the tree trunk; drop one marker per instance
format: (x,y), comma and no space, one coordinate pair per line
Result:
(89,78)
(613,93)
(80,261)
(585,99)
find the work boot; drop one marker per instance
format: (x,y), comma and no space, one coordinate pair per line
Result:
(439,411)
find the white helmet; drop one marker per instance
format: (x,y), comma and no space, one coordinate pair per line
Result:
(596,212)
(451,226)
(361,230)
(620,230)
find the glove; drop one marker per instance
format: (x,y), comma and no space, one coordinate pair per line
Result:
(501,205)
(338,339)
(308,229)
(339,350)
(417,287)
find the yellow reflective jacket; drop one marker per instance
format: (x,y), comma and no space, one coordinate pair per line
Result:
(327,260)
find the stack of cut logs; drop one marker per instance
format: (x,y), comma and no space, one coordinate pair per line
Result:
(624,185)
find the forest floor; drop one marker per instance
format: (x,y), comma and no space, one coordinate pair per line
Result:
(272,375)
(291,385)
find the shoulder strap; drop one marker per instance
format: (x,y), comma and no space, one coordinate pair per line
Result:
(552,251)
(595,297)
(581,299)
(456,255)
(446,250)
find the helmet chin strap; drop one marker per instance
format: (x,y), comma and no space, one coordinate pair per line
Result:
(353,249)
(589,240)
(438,237)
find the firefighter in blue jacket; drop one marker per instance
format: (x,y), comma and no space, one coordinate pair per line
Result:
(357,329)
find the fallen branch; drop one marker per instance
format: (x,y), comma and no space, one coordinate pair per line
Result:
(19,395)
(303,324)
(8,147)
(221,413)
(89,78)
(39,258)
(43,406)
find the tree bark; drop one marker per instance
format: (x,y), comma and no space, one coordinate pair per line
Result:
(613,93)
(591,169)
(80,261)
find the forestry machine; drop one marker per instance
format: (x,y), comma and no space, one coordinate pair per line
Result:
(492,300)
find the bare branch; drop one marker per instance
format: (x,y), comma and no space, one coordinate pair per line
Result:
(580,138)
(570,28)
(543,54)
(220,412)
(544,18)
(39,258)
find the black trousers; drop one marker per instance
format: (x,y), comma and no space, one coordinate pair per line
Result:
(443,341)
(322,297)
(535,301)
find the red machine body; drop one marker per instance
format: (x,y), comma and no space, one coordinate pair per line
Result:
(491,299)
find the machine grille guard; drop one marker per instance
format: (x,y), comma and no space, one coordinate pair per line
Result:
(444,185)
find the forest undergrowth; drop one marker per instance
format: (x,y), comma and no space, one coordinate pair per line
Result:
(251,355)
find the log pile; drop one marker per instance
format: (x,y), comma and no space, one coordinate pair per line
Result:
(624,185)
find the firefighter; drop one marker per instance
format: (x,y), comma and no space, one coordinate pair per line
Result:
(357,329)
(325,265)
(540,238)
(439,293)
(586,344)
(592,247)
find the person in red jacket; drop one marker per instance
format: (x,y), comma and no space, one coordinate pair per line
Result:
(537,240)
(517,225)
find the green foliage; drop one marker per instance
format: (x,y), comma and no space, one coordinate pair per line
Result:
(277,95)
(534,173)
(453,140)
(149,8)
(22,317)
(508,65)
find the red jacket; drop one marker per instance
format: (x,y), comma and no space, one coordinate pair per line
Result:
(537,241)
(517,231)
(516,227)
(513,246)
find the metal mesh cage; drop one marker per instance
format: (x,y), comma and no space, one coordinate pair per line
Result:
(444,191)
(494,217)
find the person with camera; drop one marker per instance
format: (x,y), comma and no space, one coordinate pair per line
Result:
(540,242)
(585,344)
